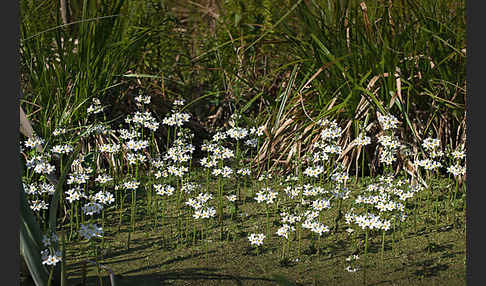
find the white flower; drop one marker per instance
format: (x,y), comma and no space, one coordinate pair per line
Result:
(33,142)
(219,136)
(428,164)
(226,172)
(179,102)
(103,178)
(143,99)
(350,269)
(176,119)
(386,225)
(363,140)
(109,148)
(131,158)
(237,133)
(340,177)
(58,131)
(321,204)
(431,143)
(30,189)
(388,121)
(131,185)
(313,172)
(44,168)
(188,187)
(252,142)
(50,258)
(73,195)
(458,154)
(244,171)
(457,170)
(266,194)
(285,230)
(256,238)
(216,172)
(37,205)
(319,228)
(352,257)
(47,188)
(163,189)
(104,198)
(62,149)
(208,212)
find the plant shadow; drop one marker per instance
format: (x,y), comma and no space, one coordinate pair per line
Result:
(187,276)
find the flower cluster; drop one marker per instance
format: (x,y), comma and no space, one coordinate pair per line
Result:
(62,149)
(237,133)
(457,170)
(95,107)
(256,238)
(109,148)
(225,172)
(285,230)
(33,142)
(58,131)
(41,188)
(352,260)
(145,99)
(176,119)
(103,179)
(143,119)
(104,198)
(201,207)
(325,148)
(363,140)
(457,167)
(432,159)
(75,194)
(388,121)
(131,185)
(266,195)
(313,171)
(189,187)
(37,205)
(162,190)
(390,147)
(387,196)
(40,164)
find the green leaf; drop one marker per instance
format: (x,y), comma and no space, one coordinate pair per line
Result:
(286,94)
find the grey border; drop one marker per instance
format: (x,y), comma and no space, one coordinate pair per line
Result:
(469,109)
(11,76)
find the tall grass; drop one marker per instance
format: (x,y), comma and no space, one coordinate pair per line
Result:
(355,58)
(64,68)
(405,58)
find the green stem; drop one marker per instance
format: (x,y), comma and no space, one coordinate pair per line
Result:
(382,246)
(366,257)
(49,281)
(362,162)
